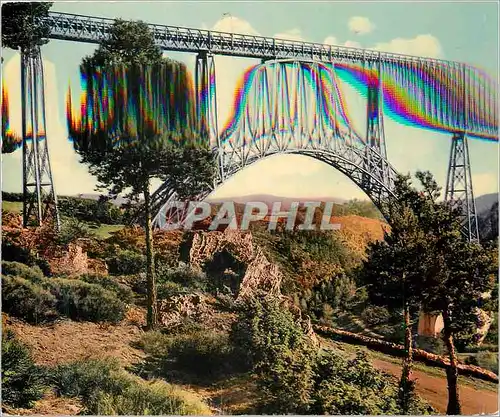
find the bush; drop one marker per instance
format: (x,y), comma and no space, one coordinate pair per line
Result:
(200,353)
(71,230)
(17,269)
(127,262)
(166,290)
(354,387)
(105,389)
(280,354)
(184,276)
(123,292)
(22,380)
(27,300)
(83,301)
(431,344)
(150,398)
(375,315)
(488,360)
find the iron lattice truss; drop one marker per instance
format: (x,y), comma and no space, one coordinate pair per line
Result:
(459,190)
(40,199)
(284,113)
(90,29)
(463,97)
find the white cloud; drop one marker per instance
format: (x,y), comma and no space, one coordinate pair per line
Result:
(352,44)
(331,40)
(421,45)
(290,35)
(360,25)
(234,24)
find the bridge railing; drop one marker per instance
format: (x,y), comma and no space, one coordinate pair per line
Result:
(91,29)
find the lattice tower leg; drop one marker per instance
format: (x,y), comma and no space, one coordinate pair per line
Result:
(206,109)
(375,138)
(459,189)
(39,196)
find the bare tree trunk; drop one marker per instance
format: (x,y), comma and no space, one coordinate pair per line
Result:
(406,385)
(152,317)
(454,406)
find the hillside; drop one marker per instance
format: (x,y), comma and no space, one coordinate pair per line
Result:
(87,304)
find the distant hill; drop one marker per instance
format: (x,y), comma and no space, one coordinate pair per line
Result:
(485,202)
(118,201)
(270,199)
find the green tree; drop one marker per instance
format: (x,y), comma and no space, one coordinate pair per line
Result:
(453,274)
(131,132)
(22,28)
(393,272)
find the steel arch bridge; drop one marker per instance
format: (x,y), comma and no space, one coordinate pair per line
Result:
(451,97)
(290,107)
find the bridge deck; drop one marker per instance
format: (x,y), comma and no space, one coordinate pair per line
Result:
(89,29)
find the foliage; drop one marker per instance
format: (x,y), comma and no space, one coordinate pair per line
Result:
(431,344)
(100,211)
(359,208)
(21,27)
(126,262)
(426,262)
(150,398)
(198,353)
(375,315)
(295,378)
(22,380)
(27,300)
(31,273)
(352,387)
(71,230)
(105,389)
(123,292)
(484,359)
(280,354)
(83,301)
(126,146)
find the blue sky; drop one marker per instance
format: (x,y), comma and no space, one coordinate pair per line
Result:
(466,32)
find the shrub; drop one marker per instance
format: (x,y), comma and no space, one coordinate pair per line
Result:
(184,276)
(22,380)
(150,398)
(431,344)
(280,353)
(27,300)
(353,387)
(200,353)
(126,262)
(83,301)
(375,315)
(488,360)
(105,389)
(87,378)
(166,290)
(31,273)
(71,230)
(123,292)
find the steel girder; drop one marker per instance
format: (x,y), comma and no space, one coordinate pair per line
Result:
(39,196)
(357,165)
(91,29)
(459,191)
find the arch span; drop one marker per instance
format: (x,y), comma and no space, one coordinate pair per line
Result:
(353,163)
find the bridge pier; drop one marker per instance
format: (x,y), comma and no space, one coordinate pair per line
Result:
(39,196)
(459,191)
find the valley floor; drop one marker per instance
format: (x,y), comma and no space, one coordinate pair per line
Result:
(66,341)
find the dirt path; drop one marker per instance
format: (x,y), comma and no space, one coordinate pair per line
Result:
(435,391)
